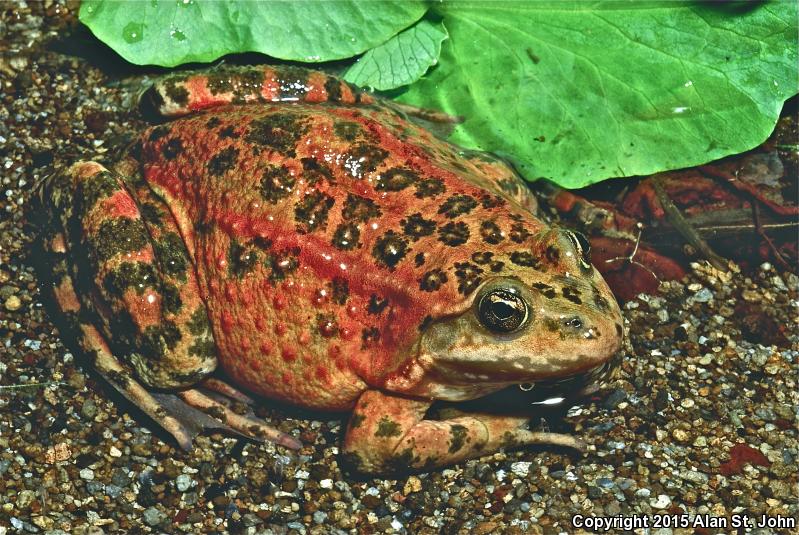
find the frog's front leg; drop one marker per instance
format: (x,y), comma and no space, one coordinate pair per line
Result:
(389,433)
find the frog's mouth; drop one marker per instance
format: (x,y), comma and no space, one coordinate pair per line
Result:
(585,383)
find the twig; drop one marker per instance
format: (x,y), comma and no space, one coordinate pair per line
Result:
(741,185)
(31,385)
(631,257)
(762,233)
(684,227)
(433,116)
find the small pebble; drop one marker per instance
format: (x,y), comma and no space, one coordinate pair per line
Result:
(183,482)
(152,516)
(520,468)
(87,474)
(661,502)
(414,484)
(13,303)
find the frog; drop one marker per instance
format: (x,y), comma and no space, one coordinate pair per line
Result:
(282,233)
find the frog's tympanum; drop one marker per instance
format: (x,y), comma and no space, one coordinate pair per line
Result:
(323,251)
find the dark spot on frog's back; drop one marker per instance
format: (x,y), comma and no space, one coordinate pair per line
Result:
(429,187)
(347,130)
(482,257)
(340,290)
(416,226)
(151,213)
(346,237)
(198,323)
(432,280)
(278,131)
(172,255)
(376,305)
(157,339)
(468,276)
(229,132)
(311,212)
(170,298)
(364,158)
(213,122)
(369,337)
(601,302)
(553,254)
(277,183)
(172,149)
(241,259)
(491,232)
(572,294)
(95,188)
(491,201)
(518,233)
(137,276)
(283,263)
(223,161)
(360,209)
(314,171)
(524,258)
(454,233)
(390,249)
(120,235)
(457,205)
(546,290)
(333,88)
(396,179)
(158,132)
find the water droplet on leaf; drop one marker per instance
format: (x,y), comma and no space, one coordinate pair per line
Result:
(133,32)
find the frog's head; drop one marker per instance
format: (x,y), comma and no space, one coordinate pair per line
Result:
(547,318)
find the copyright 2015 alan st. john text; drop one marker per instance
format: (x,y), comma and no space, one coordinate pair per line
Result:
(624,522)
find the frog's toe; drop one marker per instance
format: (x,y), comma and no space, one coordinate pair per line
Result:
(244,424)
(227,390)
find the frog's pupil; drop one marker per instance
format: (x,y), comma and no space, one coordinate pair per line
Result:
(502,309)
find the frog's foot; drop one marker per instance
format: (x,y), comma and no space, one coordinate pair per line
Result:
(389,433)
(246,424)
(182,94)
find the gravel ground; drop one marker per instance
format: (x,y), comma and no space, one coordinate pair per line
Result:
(701,419)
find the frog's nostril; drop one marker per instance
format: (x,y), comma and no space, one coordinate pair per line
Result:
(574,323)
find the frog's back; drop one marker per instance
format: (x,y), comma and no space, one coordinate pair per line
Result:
(326,237)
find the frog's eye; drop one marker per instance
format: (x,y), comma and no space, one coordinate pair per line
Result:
(582,246)
(502,311)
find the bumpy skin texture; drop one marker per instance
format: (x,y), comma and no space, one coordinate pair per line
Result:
(326,252)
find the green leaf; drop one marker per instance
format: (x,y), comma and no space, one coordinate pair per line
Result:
(583,91)
(171,32)
(401,60)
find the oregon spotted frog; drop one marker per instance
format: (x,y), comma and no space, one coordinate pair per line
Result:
(322,250)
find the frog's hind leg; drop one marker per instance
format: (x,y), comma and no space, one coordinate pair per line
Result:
(185,93)
(138,296)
